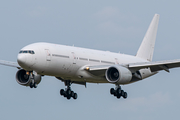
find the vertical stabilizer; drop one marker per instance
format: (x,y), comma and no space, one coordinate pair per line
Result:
(147,46)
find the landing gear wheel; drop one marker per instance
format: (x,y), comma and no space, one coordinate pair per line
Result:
(118,96)
(62,92)
(65,94)
(68,92)
(35,85)
(68,97)
(125,95)
(72,93)
(31,85)
(112,91)
(115,93)
(118,91)
(122,92)
(75,96)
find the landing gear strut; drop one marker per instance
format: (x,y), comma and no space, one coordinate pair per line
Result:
(68,93)
(118,92)
(33,84)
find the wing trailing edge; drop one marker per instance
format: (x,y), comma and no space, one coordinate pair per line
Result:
(156,66)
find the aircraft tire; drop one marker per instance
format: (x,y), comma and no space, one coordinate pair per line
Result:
(75,96)
(68,97)
(115,94)
(65,94)
(118,96)
(122,92)
(112,91)
(118,91)
(72,93)
(125,95)
(31,85)
(68,92)
(62,92)
(35,85)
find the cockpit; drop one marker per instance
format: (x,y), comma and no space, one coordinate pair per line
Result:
(27,51)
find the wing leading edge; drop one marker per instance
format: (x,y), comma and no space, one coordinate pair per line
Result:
(8,63)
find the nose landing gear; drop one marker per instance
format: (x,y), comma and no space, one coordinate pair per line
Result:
(32,84)
(118,92)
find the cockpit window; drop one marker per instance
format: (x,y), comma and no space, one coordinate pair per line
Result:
(27,51)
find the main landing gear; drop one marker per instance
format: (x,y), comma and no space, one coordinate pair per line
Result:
(68,93)
(118,92)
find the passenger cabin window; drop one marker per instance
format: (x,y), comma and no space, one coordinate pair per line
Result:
(27,51)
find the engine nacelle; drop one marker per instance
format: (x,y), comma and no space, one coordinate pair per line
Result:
(23,79)
(118,74)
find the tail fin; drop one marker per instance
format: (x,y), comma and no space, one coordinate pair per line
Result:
(147,46)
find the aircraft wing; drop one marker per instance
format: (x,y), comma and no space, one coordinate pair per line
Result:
(100,70)
(155,66)
(11,64)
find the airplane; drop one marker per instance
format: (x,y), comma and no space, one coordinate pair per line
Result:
(80,65)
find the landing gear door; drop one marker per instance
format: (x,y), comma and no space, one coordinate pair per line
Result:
(48,55)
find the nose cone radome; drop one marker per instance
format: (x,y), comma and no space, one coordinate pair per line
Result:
(21,59)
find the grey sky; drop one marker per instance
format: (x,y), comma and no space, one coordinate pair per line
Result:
(104,25)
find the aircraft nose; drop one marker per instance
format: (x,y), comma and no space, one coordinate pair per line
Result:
(21,59)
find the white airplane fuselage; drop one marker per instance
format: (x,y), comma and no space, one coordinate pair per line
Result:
(69,62)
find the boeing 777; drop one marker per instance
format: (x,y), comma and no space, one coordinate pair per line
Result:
(79,65)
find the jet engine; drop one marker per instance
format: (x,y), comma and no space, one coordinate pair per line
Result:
(23,79)
(118,74)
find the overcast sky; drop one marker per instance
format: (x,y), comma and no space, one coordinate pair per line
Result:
(117,26)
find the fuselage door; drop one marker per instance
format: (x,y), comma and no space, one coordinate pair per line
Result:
(74,62)
(74,58)
(116,61)
(48,55)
